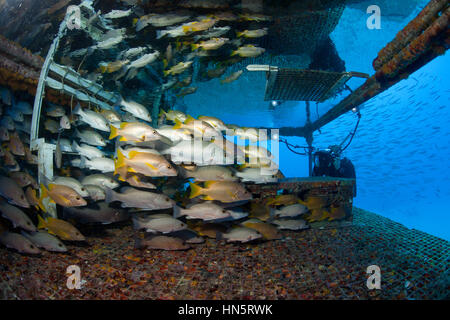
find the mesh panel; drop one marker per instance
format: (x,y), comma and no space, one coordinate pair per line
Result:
(302,85)
(302,32)
(421,260)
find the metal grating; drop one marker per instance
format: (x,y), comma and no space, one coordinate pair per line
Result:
(303,85)
(423,260)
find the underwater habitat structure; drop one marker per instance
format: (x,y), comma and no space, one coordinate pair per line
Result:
(224,150)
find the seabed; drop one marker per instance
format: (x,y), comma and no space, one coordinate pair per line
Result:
(310,264)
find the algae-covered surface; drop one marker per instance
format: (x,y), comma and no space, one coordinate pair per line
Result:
(311,264)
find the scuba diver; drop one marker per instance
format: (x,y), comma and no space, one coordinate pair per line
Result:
(329,162)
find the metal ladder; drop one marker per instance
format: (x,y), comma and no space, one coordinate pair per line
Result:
(70,83)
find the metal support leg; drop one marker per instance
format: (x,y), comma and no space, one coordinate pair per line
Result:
(155,110)
(45,169)
(309,140)
(309,137)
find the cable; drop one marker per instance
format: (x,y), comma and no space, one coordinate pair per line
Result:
(352,134)
(290,146)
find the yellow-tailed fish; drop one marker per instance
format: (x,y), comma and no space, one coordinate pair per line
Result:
(60,228)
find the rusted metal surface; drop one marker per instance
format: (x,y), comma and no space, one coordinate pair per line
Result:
(411,31)
(417,47)
(20,70)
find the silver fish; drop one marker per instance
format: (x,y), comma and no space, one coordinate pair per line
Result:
(64,122)
(256,175)
(204,211)
(92,118)
(96,193)
(101,164)
(72,183)
(100,180)
(5,96)
(20,243)
(240,234)
(136,109)
(45,241)
(161,20)
(51,125)
(8,123)
(17,217)
(15,114)
(117,14)
(133,198)
(4,134)
(159,224)
(291,224)
(12,192)
(55,111)
(293,210)
(209,173)
(87,150)
(100,213)
(90,137)
(24,107)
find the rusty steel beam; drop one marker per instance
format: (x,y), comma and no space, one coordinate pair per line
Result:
(20,55)
(411,31)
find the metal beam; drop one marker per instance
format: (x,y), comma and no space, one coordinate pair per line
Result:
(40,91)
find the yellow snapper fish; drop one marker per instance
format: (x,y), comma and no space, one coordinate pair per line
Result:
(137,180)
(225,16)
(224,191)
(179,68)
(216,72)
(187,28)
(252,33)
(161,20)
(319,215)
(256,152)
(175,135)
(268,231)
(16,145)
(117,14)
(248,51)
(60,228)
(214,122)
(197,126)
(186,91)
(135,132)
(174,114)
(232,77)
(110,67)
(268,165)
(111,116)
(255,17)
(148,164)
(211,44)
(284,199)
(197,26)
(62,195)
(259,211)
(183,83)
